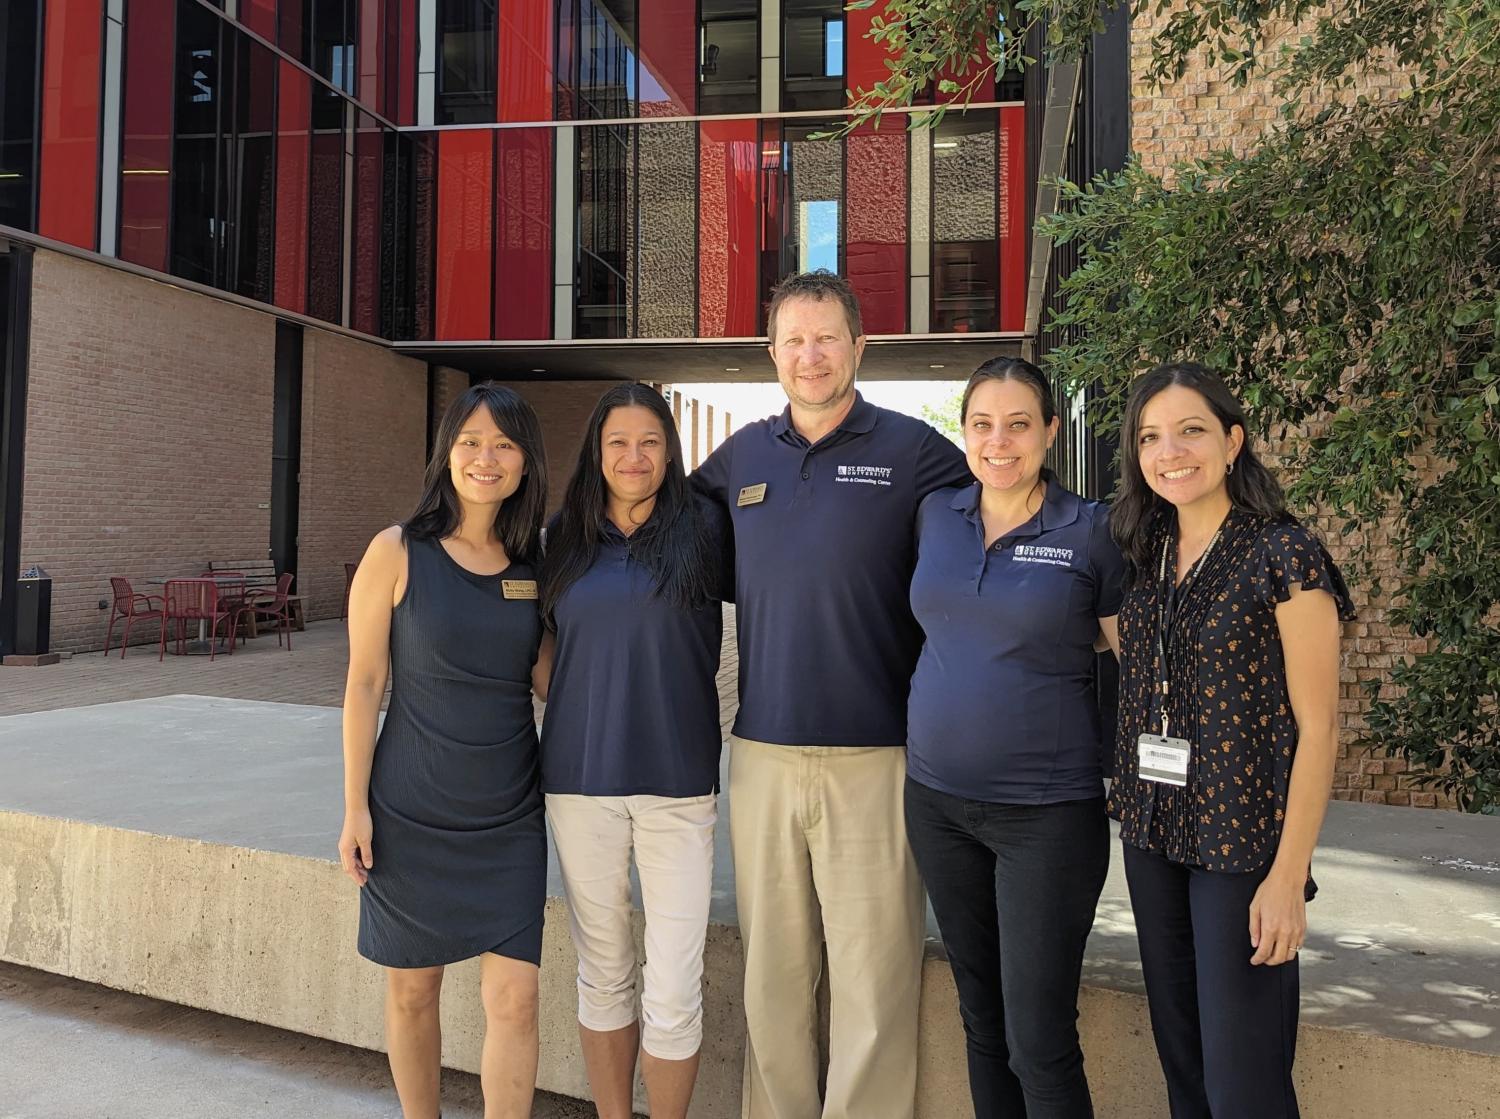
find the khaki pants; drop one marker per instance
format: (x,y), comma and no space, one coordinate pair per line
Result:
(820,854)
(672,839)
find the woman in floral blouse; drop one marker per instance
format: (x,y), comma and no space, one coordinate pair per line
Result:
(1229,665)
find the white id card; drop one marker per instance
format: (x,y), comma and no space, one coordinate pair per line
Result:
(1163,759)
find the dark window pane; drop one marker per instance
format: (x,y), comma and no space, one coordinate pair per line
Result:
(809,191)
(254,183)
(605,260)
(965,261)
(369,173)
(398,261)
(325,291)
(467,41)
(19,28)
(812,49)
(197,151)
(597,63)
(730,62)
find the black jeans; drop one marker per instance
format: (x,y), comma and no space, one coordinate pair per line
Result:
(1014,888)
(1226,1031)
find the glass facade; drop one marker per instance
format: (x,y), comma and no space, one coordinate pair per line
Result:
(275,155)
(20,30)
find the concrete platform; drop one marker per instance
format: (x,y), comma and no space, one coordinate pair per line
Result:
(182,848)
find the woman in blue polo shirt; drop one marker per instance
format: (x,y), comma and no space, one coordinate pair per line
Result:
(630,742)
(1016,580)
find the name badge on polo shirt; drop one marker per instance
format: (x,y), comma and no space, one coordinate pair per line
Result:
(1163,759)
(752,495)
(518,588)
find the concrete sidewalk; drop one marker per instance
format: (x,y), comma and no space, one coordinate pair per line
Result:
(71,1050)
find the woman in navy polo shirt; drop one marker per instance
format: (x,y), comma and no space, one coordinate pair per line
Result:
(1016,580)
(630,742)
(1228,731)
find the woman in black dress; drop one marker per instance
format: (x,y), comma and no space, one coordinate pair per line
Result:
(443,822)
(1229,666)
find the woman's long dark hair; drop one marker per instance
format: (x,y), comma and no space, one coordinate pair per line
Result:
(674,544)
(1138,512)
(518,521)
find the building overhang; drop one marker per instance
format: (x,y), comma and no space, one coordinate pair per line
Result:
(928,357)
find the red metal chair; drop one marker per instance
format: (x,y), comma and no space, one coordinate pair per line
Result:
(196,600)
(277,604)
(133,608)
(349,570)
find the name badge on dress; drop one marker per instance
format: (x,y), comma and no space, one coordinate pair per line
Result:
(518,588)
(1163,759)
(752,495)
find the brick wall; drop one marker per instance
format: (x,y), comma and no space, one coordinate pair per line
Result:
(1199,113)
(364,446)
(563,407)
(148,436)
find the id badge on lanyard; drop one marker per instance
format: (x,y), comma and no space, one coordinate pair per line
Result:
(1160,757)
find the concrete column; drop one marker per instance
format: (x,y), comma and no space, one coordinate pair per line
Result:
(563,233)
(427,36)
(109,148)
(920,234)
(770,56)
(727,428)
(694,456)
(677,411)
(708,427)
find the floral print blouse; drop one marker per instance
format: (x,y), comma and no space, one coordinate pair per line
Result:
(1227,684)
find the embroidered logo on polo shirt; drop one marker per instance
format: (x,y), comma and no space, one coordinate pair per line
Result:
(1041,553)
(865,475)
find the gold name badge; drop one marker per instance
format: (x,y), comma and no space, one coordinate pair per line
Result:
(752,495)
(518,588)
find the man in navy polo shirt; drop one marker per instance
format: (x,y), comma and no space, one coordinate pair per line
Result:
(823,499)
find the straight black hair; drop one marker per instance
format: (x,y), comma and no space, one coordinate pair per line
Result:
(1138,513)
(518,521)
(1010,369)
(674,544)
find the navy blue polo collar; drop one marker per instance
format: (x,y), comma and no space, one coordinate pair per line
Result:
(1059,508)
(859,421)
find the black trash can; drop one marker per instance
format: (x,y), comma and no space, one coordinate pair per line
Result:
(33,612)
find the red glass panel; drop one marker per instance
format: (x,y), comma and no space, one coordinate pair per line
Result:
(290,39)
(1014,210)
(371,40)
(146,144)
(875,225)
(525,89)
(523,234)
(258,15)
(294,114)
(369,163)
(864,60)
(465,208)
(405,109)
(771,213)
(669,58)
(728,228)
(69,181)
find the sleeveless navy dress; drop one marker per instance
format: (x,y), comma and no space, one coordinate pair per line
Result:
(460,848)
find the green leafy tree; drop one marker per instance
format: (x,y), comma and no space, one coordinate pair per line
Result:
(1343,271)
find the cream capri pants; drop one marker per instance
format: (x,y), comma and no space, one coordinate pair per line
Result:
(673,842)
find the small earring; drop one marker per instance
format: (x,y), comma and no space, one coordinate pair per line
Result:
(1229,467)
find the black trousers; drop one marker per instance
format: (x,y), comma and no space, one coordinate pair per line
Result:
(1014,888)
(1226,1031)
